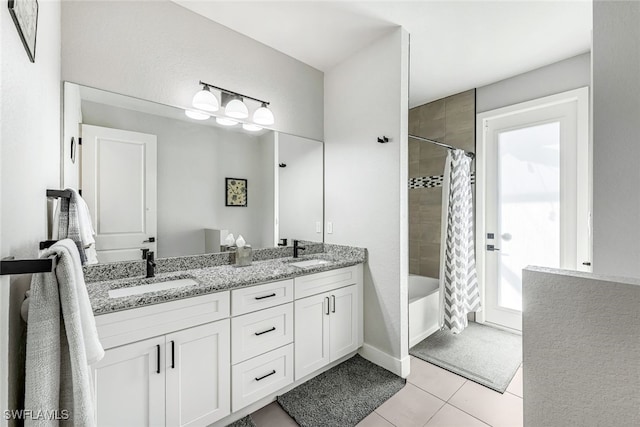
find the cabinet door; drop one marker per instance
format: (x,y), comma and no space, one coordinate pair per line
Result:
(311,334)
(344,321)
(129,385)
(198,377)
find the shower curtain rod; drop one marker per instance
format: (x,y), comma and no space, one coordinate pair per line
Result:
(441,144)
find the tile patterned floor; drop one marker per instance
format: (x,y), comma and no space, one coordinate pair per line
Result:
(433,397)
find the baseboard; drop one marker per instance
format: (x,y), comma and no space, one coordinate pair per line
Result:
(415,340)
(400,367)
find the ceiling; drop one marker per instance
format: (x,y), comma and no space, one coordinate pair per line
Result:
(455,45)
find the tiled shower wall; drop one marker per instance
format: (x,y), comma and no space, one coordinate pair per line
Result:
(450,120)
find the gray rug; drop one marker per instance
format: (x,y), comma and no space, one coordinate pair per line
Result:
(483,354)
(243,422)
(342,396)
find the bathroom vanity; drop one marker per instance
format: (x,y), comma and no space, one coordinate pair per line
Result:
(195,354)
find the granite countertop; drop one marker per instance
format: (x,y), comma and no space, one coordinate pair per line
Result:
(210,279)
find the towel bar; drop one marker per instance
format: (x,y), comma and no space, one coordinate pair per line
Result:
(56,194)
(10,265)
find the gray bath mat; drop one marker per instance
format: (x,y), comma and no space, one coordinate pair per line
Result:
(483,354)
(342,396)
(243,422)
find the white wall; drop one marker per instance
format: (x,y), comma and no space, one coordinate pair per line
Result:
(300,188)
(366,96)
(159,51)
(616,138)
(30,145)
(581,349)
(572,73)
(193,162)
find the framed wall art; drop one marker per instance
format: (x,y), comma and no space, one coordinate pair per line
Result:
(25,16)
(236,192)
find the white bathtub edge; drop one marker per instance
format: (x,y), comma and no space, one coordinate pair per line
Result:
(415,340)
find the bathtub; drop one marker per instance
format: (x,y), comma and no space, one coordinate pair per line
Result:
(424,300)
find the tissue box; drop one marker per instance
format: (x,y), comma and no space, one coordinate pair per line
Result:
(244,256)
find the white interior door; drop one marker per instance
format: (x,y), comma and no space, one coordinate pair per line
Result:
(119,185)
(534,179)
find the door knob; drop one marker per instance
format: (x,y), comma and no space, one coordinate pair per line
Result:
(149,240)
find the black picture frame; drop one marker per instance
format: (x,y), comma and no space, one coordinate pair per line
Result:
(236,192)
(25,15)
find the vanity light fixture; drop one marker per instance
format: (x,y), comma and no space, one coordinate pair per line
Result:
(225,122)
(196,115)
(263,116)
(251,127)
(233,103)
(205,100)
(236,108)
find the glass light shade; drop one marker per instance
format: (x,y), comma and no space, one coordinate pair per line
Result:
(205,100)
(251,127)
(236,109)
(263,116)
(196,115)
(225,122)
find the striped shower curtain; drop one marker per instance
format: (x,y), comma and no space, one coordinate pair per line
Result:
(459,292)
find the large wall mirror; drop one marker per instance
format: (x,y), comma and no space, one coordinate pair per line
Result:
(156,179)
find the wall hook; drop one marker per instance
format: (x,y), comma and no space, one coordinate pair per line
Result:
(383,139)
(283,165)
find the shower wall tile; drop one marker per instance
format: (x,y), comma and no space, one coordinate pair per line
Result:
(450,120)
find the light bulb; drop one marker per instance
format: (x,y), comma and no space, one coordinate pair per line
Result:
(196,115)
(263,116)
(236,109)
(251,127)
(225,122)
(205,100)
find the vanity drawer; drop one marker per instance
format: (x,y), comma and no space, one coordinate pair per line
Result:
(255,298)
(258,377)
(317,283)
(260,332)
(127,326)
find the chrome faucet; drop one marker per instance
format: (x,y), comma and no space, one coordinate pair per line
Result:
(297,248)
(151,264)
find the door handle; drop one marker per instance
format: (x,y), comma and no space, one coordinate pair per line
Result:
(149,240)
(327,299)
(492,248)
(158,356)
(333,299)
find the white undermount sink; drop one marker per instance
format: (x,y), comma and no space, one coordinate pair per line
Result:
(151,287)
(310,263)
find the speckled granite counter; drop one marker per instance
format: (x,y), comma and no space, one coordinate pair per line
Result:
(217,278)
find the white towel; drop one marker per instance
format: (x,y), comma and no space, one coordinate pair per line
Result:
(62,340)
(86,231)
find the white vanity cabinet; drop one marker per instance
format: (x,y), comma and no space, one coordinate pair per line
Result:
(328,324)
(180,378)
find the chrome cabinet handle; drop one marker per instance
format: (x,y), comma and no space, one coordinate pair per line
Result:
(327,299)
(333,299)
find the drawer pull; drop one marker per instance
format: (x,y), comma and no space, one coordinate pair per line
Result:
(158,359)
(273,328)
(173,354)
(265,376)
(266,296)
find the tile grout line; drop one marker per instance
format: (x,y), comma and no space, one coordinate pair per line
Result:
(436,413)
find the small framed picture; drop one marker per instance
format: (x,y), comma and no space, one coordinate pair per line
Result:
(25,16)
(236,192)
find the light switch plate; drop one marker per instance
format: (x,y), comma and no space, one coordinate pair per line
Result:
(318,227)
(329,227)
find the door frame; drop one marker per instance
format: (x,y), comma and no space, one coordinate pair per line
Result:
(579,96)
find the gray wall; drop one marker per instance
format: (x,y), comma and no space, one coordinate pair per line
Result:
(581,349)
(30,163)
(193,162)
(572,73)
(159,51)
(616,138)
(366,184)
